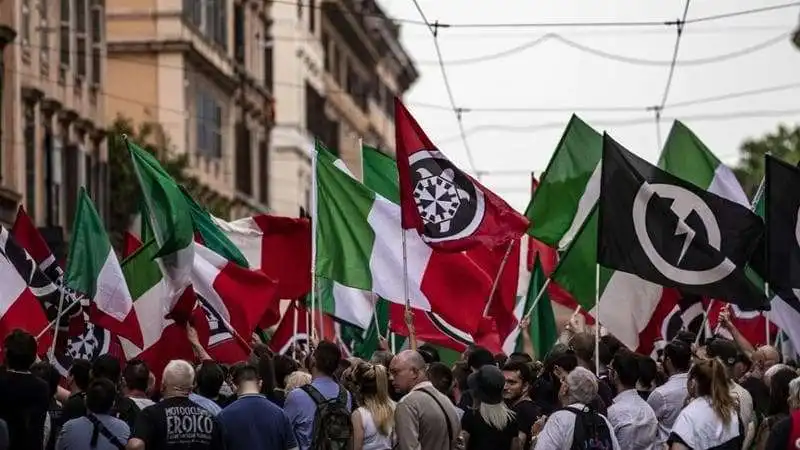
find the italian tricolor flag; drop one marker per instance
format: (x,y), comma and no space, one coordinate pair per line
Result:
(569,187)
(94,271)
(630,308)
(359,245)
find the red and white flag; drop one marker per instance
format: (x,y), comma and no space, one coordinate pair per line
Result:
(450,210)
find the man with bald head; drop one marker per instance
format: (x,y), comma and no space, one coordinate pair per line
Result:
(176,423)
(425,419)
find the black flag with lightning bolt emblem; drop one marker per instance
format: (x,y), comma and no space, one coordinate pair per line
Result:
(671,232)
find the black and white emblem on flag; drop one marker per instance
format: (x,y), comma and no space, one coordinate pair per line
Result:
(218,332)
(670,232)
(782,196)
(448,202)
(92,342)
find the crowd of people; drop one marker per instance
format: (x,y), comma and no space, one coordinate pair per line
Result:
(718,395)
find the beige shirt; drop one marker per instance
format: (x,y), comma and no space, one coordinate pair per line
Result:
(420,422)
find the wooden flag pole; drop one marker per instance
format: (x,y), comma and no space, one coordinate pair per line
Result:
(538,297)
(705,322)
(295,326)
(767,340)
(52,350)
(499,274)
(313,218)
(54,322)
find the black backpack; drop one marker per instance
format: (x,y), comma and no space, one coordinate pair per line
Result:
(591,431)
(333,429)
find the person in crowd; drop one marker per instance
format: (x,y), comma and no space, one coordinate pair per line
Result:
(284,366)
(424,419)
(711,419)
(560,431)
(297,379)
(382,357)
(269,386)
(210,378)
(45,371)
(135,378)
(301,407)
(634,421)
(778,404)
(441,377)
(500,359)
(373,420)
(648,376)
(491,424)
(252,421)
(520,356)
(518,377)
(96,430)
(477,358)
(583,346)
(430,353)
(460,374)
(176,423)
(24,397)
(785,432)
(765,357)
(727,352)
(668,399)
(78,378)
(107,366)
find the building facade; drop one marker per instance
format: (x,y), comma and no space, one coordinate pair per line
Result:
(338,65)
(53,138)
(201,69)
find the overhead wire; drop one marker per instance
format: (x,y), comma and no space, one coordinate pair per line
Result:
(458,113)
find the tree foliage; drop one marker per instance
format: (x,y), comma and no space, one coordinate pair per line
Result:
(784,143)
(124,187)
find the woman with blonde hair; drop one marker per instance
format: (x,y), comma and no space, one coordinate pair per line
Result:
(297,379)
(373,420)
(710,420)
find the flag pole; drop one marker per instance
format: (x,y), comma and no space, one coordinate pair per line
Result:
(52,350)
(313,218)
(409,318)
(496,281)
(597,320)
(766,315)
(538,297)
(57,319)
(703,325)
(377,323)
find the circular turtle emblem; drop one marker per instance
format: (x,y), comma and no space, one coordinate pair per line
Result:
(448,202)
(91,343)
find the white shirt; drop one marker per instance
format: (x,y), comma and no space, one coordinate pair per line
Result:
(373,439)
(700,427)
(558,430)
(745,401)
(667,402)
(634,421)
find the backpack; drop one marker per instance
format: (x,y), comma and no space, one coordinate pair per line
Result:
(591,431)
(126,410)
(333,429)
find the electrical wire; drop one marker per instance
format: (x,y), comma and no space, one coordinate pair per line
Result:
(448,88)
(613,56)
(679,26)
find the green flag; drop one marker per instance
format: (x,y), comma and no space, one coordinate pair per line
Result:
(94,270)
(569,187)
(543,321)
(213,237)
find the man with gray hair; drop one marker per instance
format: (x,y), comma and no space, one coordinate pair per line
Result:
(176,422)
(425,419)
(576,423)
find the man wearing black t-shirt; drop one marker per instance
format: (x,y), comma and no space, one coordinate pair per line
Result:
(78,380)
(24,398)
(519,378)
(176,423)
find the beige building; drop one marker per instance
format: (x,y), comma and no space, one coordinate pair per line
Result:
(53,112)
(201,69)
(339,64)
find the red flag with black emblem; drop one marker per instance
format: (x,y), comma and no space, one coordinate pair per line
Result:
(451,210)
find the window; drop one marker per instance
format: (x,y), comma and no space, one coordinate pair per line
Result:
(299,9)
(244,160)
(81,41)
(238,32)
(97,32)
(210,17)
(268,81)
(30,158)
(25,28)
(209,125)
(71,182)
(88,171)
(326,58)
(64,38)
(44,38)
(312,16)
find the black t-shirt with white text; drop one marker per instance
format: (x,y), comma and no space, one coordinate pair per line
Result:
(178,423)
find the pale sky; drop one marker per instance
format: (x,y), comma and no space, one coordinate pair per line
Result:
(720,57)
